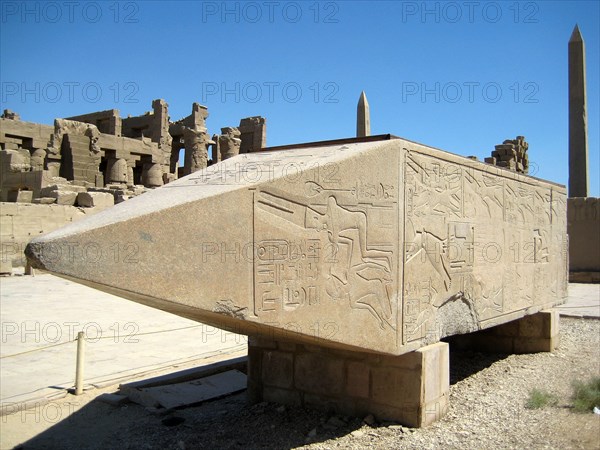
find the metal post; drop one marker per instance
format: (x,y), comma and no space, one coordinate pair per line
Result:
(79,366)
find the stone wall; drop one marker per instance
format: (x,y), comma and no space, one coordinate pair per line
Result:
(21,222)
(583,228)
(411,389)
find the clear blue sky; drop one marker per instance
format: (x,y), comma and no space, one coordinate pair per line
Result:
(461,76)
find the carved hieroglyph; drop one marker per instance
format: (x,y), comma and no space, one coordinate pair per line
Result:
(384,246)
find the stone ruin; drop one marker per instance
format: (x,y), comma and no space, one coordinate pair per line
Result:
(229,143)
(105,155)
(512,155)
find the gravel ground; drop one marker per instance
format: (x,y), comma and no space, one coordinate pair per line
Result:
(487,397)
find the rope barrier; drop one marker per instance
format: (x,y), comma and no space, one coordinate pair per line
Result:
(94,340)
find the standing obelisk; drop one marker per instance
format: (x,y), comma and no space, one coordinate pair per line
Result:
(363,117)
(578,147)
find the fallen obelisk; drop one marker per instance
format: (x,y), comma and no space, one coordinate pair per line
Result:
(346,262)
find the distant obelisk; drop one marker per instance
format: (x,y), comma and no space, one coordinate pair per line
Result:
(579,183)
(363,117)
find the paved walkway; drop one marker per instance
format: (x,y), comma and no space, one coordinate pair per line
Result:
(583,301)
(40,317)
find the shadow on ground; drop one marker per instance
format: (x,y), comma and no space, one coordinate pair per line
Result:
(225,423)
(464,363)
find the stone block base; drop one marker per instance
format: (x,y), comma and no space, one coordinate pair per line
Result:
(411,389)
(530,334)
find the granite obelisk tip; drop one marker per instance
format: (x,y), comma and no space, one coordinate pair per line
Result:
(363,117)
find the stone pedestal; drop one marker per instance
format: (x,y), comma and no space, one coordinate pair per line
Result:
(530,334)
(411,389)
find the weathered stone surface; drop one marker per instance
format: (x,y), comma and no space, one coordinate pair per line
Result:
(15,160)
(117,171)
(152,175)
(44,200)
(95,199)
(253,134)
(229,143)
(66,187)
(414,393)
(20,196)
(384,246)
(64,197)
(21,222)
(511,154)
(196,149)
(5,266)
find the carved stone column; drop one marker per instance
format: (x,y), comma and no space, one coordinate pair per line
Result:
(117,171)
(229,142)
(152,175)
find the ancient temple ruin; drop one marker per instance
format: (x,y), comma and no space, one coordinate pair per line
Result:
(104,152)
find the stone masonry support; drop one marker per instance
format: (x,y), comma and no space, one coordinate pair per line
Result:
(411,389)
(530,334)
